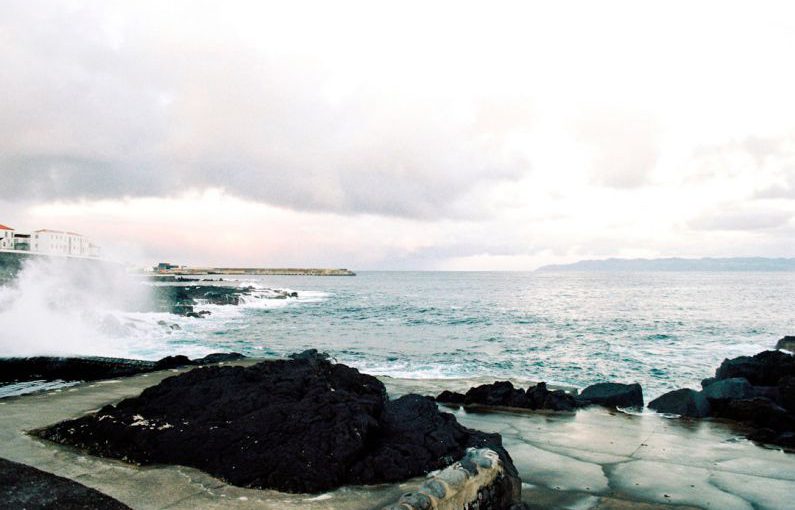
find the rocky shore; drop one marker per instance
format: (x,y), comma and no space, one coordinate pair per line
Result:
(756,393)
(298,425)
(28,488)
(308,425)
(183,299)
(51,368)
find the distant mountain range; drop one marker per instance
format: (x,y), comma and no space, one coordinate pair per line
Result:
(679,264)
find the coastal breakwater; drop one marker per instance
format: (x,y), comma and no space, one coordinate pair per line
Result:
(259,271)
(12,261)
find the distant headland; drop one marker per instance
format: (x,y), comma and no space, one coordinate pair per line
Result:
(678,264)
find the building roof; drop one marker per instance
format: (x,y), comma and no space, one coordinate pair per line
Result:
(3,227)
(58,232)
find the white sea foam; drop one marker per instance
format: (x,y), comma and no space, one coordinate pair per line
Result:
(59,306)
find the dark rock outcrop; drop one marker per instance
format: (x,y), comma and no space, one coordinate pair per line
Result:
(763,369)
(757,391)
(451,397)
(684,402)
(217,357)
(69,369)
(181,299)
(787,343)
(298,425)
(613,395)
(504,394)
(28,488)
(729,389)
(50,368)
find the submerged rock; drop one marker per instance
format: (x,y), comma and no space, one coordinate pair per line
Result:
(28,488)
(684,402)
(613,395)
(298,425)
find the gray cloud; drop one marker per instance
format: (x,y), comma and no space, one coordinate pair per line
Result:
(95,110)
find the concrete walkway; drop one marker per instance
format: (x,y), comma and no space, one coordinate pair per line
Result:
(152,487)
(594,459)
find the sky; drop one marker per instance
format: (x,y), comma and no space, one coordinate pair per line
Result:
(401,135)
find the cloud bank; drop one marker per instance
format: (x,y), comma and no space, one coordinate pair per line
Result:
(449,135)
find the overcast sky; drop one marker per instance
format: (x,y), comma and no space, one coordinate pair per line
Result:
(401,135)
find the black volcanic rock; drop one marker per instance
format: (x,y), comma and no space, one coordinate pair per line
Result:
(27,488)
(299,425)
(786,343)
(413,432)
(170,362)
(760,412)
(451,397)
(786,393)
(613,395)
(504,394)
(763,369)
(218,357)
(729,389)
(540,397)
(684,402)
(757,391)
(70,369)
(499,393)
(51,368)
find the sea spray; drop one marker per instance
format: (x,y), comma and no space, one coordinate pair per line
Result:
(64,306)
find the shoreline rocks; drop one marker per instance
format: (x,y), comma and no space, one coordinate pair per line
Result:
(539,397)
(755,391)
(787,343)
(182,299)
(609,394)
(28,488)
(684,402)
(50,368)
(297,425)
(504,394)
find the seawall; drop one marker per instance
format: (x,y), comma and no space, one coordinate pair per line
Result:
(290,271)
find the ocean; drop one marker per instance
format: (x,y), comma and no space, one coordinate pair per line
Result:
(664,330)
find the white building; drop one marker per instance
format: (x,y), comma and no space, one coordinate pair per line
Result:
(57,242)
(6,238)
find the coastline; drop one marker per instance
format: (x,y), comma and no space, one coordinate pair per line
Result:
(594,456)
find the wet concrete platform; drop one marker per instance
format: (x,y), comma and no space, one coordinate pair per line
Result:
(600,459)
(594,459)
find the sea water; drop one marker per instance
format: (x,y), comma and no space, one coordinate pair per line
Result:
(662,329)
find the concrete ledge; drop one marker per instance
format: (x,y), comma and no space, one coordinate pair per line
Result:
(478,481)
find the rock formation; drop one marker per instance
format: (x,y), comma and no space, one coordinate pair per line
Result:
(757,391)
(28,488)
(504,394)
(613,395)
(52,368)
(298,425)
